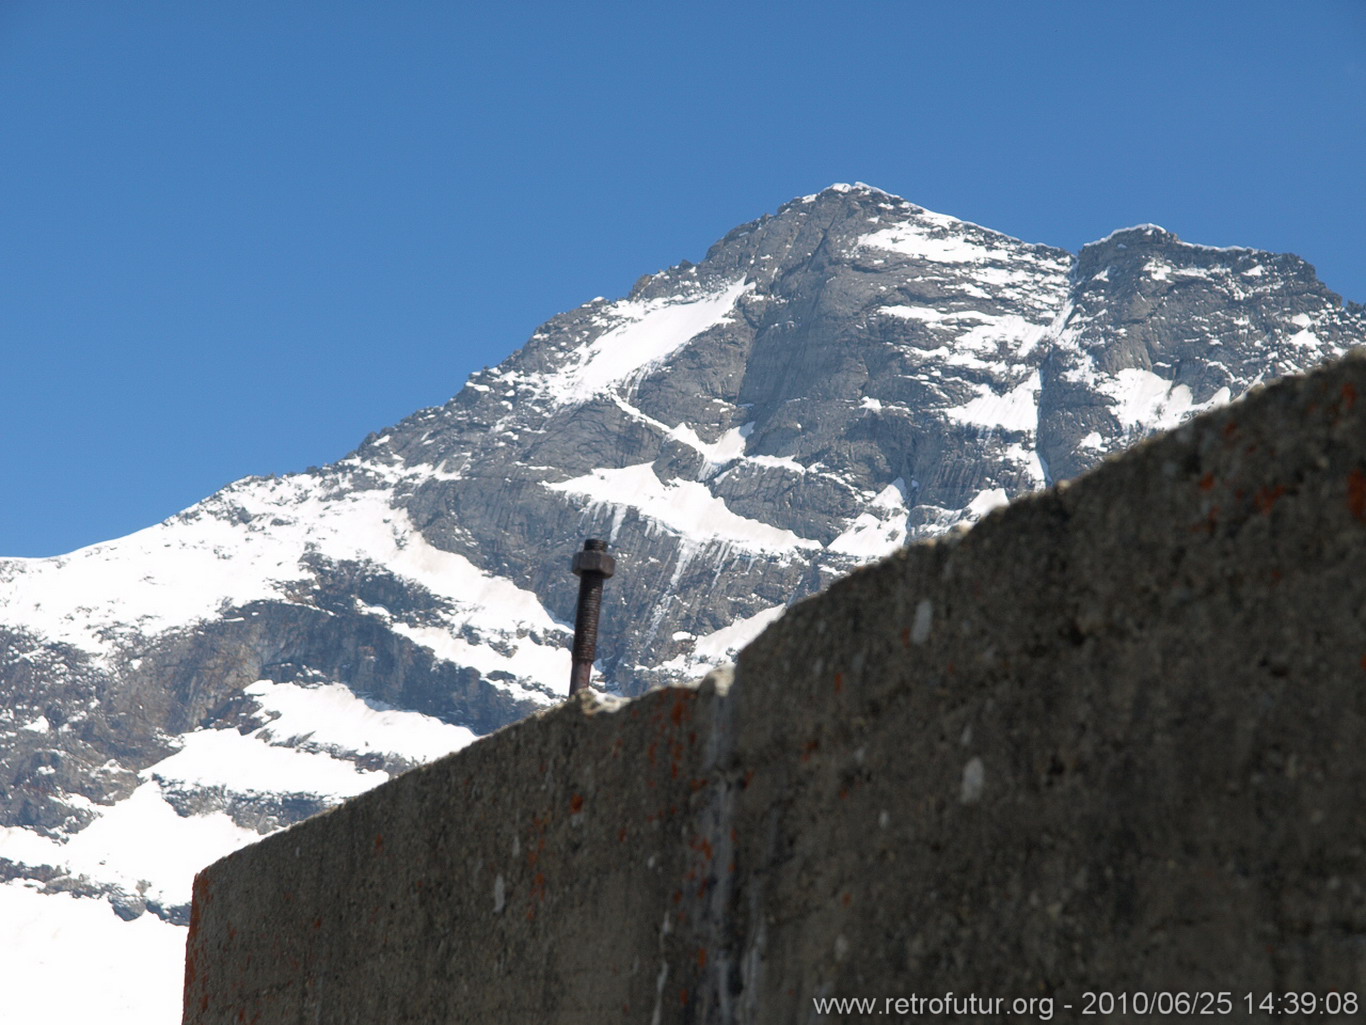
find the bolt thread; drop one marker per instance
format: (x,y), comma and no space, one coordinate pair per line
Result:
(586,619)
(586,630)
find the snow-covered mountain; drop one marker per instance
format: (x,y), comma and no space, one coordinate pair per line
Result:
(849,374)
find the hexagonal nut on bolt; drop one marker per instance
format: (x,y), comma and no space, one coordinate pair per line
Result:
(594,562)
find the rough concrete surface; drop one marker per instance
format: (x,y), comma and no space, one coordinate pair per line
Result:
(1112,739)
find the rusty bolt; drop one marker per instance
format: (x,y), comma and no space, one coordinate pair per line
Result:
(592,566)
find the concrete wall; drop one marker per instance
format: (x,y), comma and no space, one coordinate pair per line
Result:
(1112,739)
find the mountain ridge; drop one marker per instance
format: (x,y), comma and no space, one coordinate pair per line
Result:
(831,382)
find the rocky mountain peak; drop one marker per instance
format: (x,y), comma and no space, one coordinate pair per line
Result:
(834,380)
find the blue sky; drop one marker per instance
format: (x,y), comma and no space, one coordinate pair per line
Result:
(236,238)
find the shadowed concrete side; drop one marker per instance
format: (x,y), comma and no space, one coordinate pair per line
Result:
(1111,739)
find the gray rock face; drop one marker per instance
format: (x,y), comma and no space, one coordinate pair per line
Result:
(831,382)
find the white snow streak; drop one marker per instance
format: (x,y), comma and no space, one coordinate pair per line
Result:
(70,959)
(936,245)
(987,500)
(722,645)
(1147,401)
(647,333)
(685,507)
(1016,410)
(879,530)
(139,839)
(726,643)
